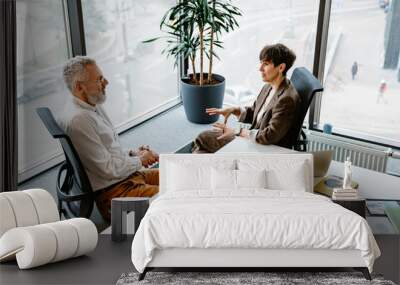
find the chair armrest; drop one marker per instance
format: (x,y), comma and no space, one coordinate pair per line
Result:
(301,143)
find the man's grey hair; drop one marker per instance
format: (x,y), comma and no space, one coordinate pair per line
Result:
(74,70)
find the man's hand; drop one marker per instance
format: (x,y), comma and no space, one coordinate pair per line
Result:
(226,132)
(141,150)
(144,150)
(138,151)
(144,147)
(224,112)
(148,157)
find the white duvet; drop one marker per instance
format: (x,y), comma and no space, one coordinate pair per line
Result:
(250,219)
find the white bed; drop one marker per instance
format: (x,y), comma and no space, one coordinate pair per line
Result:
(213,212)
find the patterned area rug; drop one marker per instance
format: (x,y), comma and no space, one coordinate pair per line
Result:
(273,278)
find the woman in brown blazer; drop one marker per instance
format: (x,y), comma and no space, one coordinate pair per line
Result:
(271,116)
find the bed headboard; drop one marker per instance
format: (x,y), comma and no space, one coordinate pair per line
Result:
(277,162)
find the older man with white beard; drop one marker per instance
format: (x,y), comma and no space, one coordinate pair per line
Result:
(112,171)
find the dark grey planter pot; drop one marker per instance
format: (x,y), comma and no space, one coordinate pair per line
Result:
(196,99)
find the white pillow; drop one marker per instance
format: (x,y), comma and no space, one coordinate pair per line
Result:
(188,174)
(251,178)
(282,174)
(292,179)
(188,177)
(223,179)
(227,179)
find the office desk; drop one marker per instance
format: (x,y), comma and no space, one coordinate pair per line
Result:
(243,145)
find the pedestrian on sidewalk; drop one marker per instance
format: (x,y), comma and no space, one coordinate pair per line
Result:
(381,93)
(354,70)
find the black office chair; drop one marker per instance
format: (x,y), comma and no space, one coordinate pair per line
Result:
(75,190)
(306,85)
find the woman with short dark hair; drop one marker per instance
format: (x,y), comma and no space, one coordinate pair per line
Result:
(273,113)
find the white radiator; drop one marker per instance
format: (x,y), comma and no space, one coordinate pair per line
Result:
(361,154)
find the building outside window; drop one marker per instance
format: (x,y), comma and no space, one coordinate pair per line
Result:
(362,92)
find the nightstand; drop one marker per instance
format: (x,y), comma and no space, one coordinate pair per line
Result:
(119,209)
(357,206)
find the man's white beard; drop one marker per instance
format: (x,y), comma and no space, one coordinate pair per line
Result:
(97,99)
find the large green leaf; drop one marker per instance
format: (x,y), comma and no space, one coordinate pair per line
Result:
(183,22)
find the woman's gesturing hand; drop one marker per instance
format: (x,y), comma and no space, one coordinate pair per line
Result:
(224,112)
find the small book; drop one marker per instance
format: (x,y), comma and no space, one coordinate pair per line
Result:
(344,194)
(341,190)
(347,194)
(346,198)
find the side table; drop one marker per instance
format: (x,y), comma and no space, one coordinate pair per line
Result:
(119,209)
(357,206)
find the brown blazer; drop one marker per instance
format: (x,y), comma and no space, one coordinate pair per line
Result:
(277,124)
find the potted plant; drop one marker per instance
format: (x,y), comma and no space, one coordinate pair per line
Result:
(194,28)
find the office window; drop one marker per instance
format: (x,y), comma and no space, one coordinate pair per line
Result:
(41,51)
(362,88)
(142,81)
(293,23)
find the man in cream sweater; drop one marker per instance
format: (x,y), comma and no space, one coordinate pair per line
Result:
(112,171)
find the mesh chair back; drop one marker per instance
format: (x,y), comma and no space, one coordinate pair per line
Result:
(306,85)
(76,190)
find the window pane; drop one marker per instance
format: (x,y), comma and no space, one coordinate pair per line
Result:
(362,85)
(292,23)
(41,52)
(141,79)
